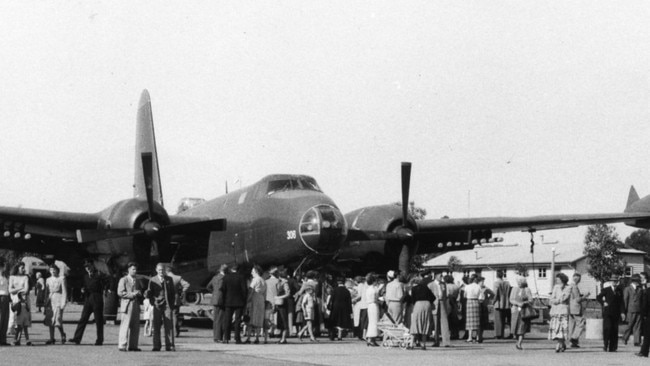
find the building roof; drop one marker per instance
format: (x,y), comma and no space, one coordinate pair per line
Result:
(509,254)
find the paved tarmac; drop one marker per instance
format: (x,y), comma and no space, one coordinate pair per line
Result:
(195,347)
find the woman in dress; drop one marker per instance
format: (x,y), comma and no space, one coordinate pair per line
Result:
(256,307)
(421,317)
(473,311)
(55,289)
(559,301)
(19,284)
(341,315)
(519,297)
(307,306)
(372,298)
(39,291)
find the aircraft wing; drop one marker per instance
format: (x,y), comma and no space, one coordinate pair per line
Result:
(55,224)
(531,223)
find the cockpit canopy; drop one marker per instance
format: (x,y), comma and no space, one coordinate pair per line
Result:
(291,183)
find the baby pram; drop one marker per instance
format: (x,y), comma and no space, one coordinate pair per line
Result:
(394,335)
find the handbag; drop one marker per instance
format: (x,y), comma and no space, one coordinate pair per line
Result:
(528,312)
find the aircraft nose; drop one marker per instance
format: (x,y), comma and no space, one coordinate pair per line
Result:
(323,229)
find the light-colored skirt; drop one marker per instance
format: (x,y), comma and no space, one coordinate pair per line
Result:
(421,318)
(473,315)
(373,319)
(558,327)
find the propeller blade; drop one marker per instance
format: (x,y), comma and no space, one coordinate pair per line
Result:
(147,172)
(196,227)
(85,236)
(406,183)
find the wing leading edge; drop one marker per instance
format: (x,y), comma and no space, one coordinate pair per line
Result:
(531,223)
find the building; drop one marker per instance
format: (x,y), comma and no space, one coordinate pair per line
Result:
(568,259)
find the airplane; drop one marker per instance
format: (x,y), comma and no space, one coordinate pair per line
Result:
(281,219)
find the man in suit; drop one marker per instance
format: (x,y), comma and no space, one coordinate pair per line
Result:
(130,293)
(440,311)
(162,294)
(181,287)
(611,299)
(94,285)
(576,312)
(632,296)
(218,313)
(501,304)
(233,290)
(645,312)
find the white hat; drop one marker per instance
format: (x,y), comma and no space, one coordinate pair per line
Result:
(390,274)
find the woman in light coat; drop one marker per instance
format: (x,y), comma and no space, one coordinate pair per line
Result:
(520,297)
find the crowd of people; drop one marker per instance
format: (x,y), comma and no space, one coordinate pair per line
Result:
(253,307)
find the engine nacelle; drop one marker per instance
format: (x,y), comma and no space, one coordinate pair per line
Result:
(130,214)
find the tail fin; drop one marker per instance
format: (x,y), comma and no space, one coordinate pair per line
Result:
(632,198)
(145,141)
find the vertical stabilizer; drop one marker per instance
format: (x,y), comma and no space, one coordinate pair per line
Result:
(145,141)
(631,198)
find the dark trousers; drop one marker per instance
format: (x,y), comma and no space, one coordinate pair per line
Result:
(230,311)
(162,317)
(610,333)
(645,347)
(500,316)
(363,321)
(4,318)
(94,304)
(218,325)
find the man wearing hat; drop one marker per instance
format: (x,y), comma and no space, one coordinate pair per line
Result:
(394,295)
(611,299)
(632,296)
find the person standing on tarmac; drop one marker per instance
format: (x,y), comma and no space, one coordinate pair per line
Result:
(181,287)
(94,285)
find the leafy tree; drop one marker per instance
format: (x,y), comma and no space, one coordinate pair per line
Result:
(601,248)
(418,213)
(454,264)
(639,239)
(521,269)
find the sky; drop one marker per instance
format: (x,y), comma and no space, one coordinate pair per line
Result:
(505,108)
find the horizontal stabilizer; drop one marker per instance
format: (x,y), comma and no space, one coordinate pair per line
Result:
(631,198)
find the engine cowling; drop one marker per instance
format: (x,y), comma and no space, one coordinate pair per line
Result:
(132,214)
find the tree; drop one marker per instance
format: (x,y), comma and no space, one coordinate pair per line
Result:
(601,248)
(418,213)
(521,269)
(639,239)
(454,264)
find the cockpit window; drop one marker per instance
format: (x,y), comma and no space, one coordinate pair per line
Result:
(298,183)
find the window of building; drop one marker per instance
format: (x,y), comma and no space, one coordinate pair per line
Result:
(628,271)
(541,273)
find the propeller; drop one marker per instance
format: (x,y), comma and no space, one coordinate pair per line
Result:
(405,255)
(151,228)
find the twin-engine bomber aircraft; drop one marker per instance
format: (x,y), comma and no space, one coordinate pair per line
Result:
(282,219)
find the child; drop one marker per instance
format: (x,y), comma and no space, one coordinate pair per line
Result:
(148,317)
(22,319)
(307,305)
